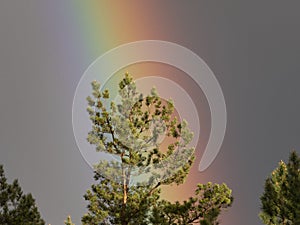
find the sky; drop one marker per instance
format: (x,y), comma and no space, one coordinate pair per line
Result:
(252,48)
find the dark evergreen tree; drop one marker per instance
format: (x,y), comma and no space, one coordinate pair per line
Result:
(281,198)
(17,208)
(131,131)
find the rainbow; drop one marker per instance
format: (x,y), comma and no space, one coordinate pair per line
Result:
(93,27)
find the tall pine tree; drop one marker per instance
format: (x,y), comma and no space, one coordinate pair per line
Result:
(16,207)
(151,148)
(281,198)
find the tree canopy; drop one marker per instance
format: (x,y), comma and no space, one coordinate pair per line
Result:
(150,148)
(281,198)
(16,207)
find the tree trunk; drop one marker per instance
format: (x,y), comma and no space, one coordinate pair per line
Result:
(125,188)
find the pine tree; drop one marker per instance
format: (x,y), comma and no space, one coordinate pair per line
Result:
(280,200)
(131,130)
(204,208)
(69,221)
(15,207)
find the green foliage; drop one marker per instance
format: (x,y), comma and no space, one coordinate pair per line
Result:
(280,201)
(15,207)
(107,203)
(69,221)
(202,209)
(132,130)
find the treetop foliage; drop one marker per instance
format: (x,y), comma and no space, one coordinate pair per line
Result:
(148,141)
(281,197)
(133,129)
(16,207)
